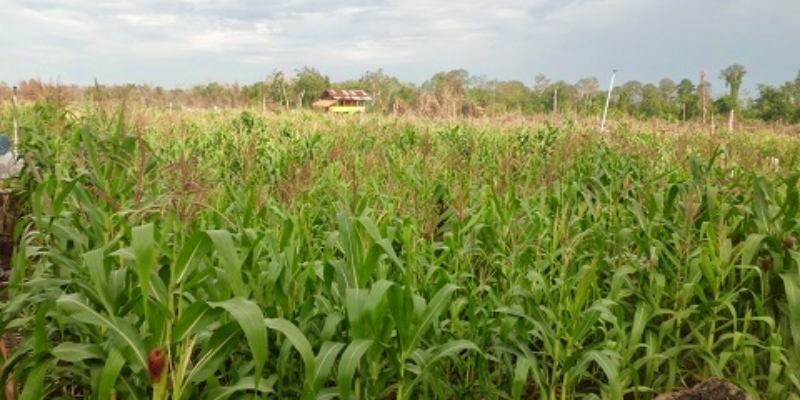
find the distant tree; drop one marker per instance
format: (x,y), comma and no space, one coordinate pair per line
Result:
(308,85)
(588,88)
(481,90)
(629,97)
(212,94)
(450,89)
(542,82)
(669,94)
(703,96)
(773,104)
(778,103)
(687,98)
(279,88)
(513,95)
(560,97)
(654,102)
(388,93)
(378,84)
(733,76)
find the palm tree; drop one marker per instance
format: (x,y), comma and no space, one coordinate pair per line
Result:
(733,76)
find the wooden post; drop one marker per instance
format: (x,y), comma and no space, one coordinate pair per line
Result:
(713,126)
(704,96)
(730,122)
(555,101)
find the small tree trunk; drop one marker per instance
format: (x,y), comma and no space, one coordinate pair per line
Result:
(555,101)
(730,122)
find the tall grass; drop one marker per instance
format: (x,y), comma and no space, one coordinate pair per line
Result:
(302,256)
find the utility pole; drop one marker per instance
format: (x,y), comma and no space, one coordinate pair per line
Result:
(608,101)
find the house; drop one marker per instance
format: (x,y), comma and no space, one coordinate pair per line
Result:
(343,101)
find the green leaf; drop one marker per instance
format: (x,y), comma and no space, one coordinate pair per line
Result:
(299,342)
(77,352)
(33,386)
(446,350)
(229,260)
(436,306)
(246,384)
(97,272)
(40,338)
(385,244)
(609,362)
(251,319)
(222,342)
(123,332)
(331,325)
(328,393)
(351,246)
(376,294)
(192,253)
(640,318)
(108,378)
(791,284)
(145,251)
(750,248)
(348,364)
(521,372)
(324,362)
(194,319)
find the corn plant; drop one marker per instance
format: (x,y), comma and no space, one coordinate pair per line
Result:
(239,255)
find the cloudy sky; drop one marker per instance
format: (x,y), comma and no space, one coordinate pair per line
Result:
(186,42)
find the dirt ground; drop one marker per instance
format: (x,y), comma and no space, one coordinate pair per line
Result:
(7,221)
(6,249)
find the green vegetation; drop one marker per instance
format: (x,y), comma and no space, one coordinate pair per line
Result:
(236,255)
(457,93)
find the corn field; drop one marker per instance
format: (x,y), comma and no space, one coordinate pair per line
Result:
(237,255)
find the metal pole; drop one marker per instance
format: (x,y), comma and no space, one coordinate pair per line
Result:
(608,101)
(16,122)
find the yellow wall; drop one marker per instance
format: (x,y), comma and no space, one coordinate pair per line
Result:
(346,109)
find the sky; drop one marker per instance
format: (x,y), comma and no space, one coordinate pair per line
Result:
(181,43)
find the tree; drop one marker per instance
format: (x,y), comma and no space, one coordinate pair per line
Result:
(377,84)
(687,98)
(588,88)
(654,103)
(278,87)
(669,94)
(629,97)
(733,76)
(773,104)
(450,89)
(779,103)
(513,95)
(388,92)
(308,85)
(560,97)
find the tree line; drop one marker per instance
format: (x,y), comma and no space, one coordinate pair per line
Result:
(458,93)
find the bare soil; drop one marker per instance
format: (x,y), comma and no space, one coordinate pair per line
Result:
(8,219)
(710,389)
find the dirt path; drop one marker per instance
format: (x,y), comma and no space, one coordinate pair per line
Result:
(7,222)
(6,249)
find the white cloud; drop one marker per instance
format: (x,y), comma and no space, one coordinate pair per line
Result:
(59,21)
(151,20)
(185,41)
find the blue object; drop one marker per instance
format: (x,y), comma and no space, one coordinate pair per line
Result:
(5,144)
